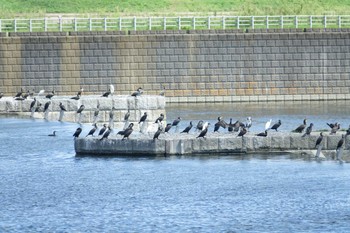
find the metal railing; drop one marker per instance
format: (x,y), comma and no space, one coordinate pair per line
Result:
(172,23)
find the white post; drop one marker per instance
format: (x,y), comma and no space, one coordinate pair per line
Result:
(150,23)
(30,25)
(90,24)
(194,23)
(60,23)
(105,24)
(267,22)
(223,22)
(179,20)
(0,26)
(120,23)
(310,21)
(281,21)
(15,25)
(75,24)
(135,26)
(296,21)
(45,24)
(164,23)
(209,22)
(339,22)
(238,22)
(252,22)
(325,21)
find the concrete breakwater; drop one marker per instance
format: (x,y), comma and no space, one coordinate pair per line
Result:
(118,104)
(214,143)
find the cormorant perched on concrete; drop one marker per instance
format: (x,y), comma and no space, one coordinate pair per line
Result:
(92,131)
(276,125)
(26,94)
(167,127)
(53,134)
(176,122)
(138,92)
(77,132)
(32,104)
(335,128)
(237,125)
(38,106)
(160,118)
(199,125)
(47,105)
(62,107)
(127,115)
(107,133)
(19,94)
(230,126)
(156,134)
(77,97)
(262,134)
(300,128)
(122,132)
(96,112)
(341,142)
(50,95)
(220,123)
(188,128)
(308,130)
(20,98)
(102,130)
(127,132)
(331,125)
(81,108)
(319,140)
(204,132)
(242,132)
(143,118)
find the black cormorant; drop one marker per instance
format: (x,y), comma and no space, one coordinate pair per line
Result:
(77,97)
(77,132)
(53,134)
(276,125)
(46,106)
(81,108)
(308,130)
(156,134)
(262,134)
(92,131)
(127,115)
(127,132)
(341,142)
(62,107)
(107,133)
(319,140)
(138,92)
(204,132)
(50,95)
(188,128)
(160,118)
(102,130)
(199,125)
(167,127)
(32,104)
(300,128)
(143,118)
(242,132)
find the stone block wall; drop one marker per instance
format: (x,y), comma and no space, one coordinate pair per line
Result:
(193,66)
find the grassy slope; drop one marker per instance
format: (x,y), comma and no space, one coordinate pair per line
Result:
(17,8)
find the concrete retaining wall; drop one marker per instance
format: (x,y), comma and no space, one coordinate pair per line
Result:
(153,105)
(193,66)
(180,144)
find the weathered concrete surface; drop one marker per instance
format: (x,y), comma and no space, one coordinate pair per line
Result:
(181,144)
(152,104)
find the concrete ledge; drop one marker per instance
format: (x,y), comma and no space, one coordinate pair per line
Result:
(217,143)
(153,105)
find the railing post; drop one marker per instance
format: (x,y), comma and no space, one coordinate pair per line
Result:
(0,26)
(223,22)
(209,22)
(135,26)
(149,23)
(325,21)
(75,24)
(281,21)
(60,23)
(296,22)
(179,22)
(164,23)
(252,22)
(339,22)
(105,24)
(15,25)
(90,25)
(267,22)
(45,24)
(120,23)
(30,25)
(194,23)
(310,20)
(238,22)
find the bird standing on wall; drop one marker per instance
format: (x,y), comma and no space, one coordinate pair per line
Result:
(80,92)
(300,128)
(167,127)
(111,89)
(248,123)
(335,128)
(102,130)
(127,132)
(143,118)
(160,118)
(159,131)
(92,131)
(138,92)
(199,126)
(96,112)
(204,132)
(188,128)
(107,133)
(62,110)
(276,125)
(242,132)
(62,107)
(308,130)
(50,95)
(77,132)
(176,123)
(262,134)
(319,140)
(162,92)
(81,108)
(77,97)
(19,94)
(1,95)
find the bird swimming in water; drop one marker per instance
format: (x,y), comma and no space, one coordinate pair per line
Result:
(77,132)
(53,134)
(308,130)
(319,140)
(300,128)
(276,125)
(188,128)
(107,133)
(160,118)
(92,131)
(138,92)
(102,130)
(204,132)
(262,134)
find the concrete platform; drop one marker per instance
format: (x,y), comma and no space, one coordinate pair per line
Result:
(214,143)
(152,104)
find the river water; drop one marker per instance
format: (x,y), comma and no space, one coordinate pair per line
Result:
(44,187)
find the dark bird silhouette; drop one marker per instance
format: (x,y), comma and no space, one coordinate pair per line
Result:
(242,132)
(97,111)
(102,130)
(81,108)
(160,118)
(47,105)
(138,92)
(230,126)
(341,142)
(62,107)
(107,133)
(20,98)
(188,128)
(300,128)
(38,107)
(331,125)
(219,123)
(348,131)
(80,92)
(319,140)
(276,125)
(26,95)
(32,104)
(176,122)
(77,97)
(262,134)
(237,125)
(143,118)
(167,127)
(308,130)
(1,95)
(122,132)
(156,134)
(92,131)
(19,94)
(109,92)
(335,128)
(127,115)
(50,95)
(204,132)
(77,132)
(127,132)
(53,134)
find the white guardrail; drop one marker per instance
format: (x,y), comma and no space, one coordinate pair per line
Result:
(63,24)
